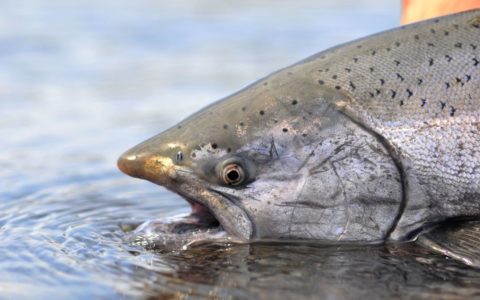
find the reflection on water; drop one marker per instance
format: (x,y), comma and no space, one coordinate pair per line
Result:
(304,272)
(80,82)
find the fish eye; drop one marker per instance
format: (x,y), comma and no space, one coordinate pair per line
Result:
(233,174)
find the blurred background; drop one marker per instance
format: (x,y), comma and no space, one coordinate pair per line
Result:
(82,81)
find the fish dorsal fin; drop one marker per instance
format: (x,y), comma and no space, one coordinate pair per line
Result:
(458,240)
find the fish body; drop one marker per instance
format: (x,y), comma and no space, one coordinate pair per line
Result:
(371,141)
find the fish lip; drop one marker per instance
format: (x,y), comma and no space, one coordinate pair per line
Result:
(233,218)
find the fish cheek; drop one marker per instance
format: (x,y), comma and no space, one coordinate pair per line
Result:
(264,200)
(345,186)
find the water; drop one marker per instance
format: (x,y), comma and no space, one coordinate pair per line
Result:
(80,82)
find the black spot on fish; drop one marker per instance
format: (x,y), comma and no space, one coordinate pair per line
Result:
(455,26)
(401,102)
(348,70)
(394,93)
(452,111)
(400,77)
(476,23)
(417,37)
(382,81)
(447,85)
(374,52)
(388,49)
(446,32)
(179,127)
(475,62)
(430,62)
(371,94)
(396,62)
(448,57)
(294,102)
(397,44)
(467,78)
(193,155)
(285,129)
(265,83)
(334,77)
(435,21)
(261,112)
(473,46)
(304,134)
(352,85)
(359,46)
(229,150)
(377,91)
(321,82)
(355,59)
(371,69)
(424,101)
(214,146)
(241,124)
(458,45)
(419,81)
(430,44)
(338,87)
(432,31)
(458,80)
(225,126)
(442,105)
(409,93)
(244,108)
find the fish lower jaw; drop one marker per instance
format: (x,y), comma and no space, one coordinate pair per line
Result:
(180,232)
(205,219)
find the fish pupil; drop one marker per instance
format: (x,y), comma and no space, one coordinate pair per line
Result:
(233,175)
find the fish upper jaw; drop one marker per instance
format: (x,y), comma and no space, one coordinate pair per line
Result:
(130,164)
(155,168)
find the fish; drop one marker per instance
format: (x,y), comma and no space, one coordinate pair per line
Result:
(373,141)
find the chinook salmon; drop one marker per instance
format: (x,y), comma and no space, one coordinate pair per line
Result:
(371,141)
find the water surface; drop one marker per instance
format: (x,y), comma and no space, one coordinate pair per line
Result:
(80,82)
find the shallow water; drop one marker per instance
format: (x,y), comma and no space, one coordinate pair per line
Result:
(82,82)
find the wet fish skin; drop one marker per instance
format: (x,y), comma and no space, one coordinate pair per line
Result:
(365,142)
(419,90)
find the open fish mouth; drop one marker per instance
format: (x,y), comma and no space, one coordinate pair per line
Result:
(181,232)
(200,218)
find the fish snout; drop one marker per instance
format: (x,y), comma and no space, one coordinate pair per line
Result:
(132,164)
(155,168)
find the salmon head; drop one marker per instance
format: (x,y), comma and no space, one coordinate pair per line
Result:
(277,161)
